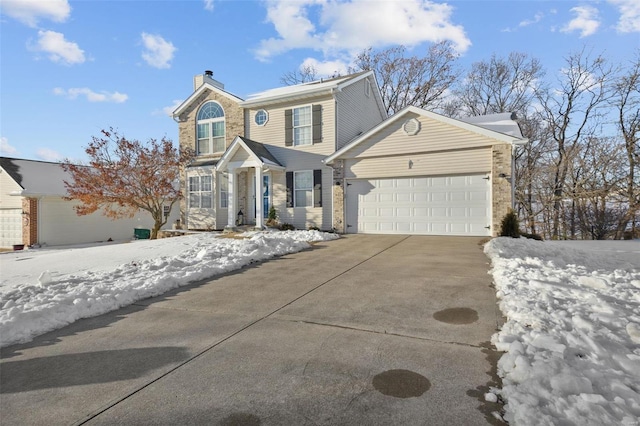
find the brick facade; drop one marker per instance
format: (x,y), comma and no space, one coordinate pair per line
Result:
(501,181)
(338,197)
(29,221)
(234,126)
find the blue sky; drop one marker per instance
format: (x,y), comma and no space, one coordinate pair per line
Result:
(71,68)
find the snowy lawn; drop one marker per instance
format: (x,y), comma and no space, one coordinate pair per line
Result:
(45,289)
(572,331)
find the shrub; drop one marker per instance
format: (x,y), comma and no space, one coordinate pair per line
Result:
(510,227)
(532,236)
(287,227)
(272,217)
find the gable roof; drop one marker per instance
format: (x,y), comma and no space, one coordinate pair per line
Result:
(36,178)
(256,150)
(304,90)
(206,86)
(476,128)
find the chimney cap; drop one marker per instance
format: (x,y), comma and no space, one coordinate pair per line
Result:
(208,73)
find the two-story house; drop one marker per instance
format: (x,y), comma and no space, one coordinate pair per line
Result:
(324,154)
(268,150)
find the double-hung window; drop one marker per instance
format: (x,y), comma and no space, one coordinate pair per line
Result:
(200,192)
(303,188)
(302,126)
(210,129)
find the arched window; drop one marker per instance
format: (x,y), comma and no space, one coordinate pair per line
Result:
(210,124)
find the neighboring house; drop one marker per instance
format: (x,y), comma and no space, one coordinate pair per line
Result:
(33,210)
(324,154)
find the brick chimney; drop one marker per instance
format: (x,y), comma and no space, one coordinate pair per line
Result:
(207,77)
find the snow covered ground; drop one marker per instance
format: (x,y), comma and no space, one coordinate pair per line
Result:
(572,331)
(45,289)
(571,337)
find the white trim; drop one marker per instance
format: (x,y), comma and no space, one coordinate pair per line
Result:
(206,86)
(255,161)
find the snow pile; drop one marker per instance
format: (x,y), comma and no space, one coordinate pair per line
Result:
(40,292)
(572,335)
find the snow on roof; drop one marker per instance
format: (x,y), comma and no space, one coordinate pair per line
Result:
(300,90)
(503,123)
(37,178)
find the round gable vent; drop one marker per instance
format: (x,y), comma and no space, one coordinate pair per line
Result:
(411,127)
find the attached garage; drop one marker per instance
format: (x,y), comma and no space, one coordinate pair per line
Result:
(439,205)
(422,173)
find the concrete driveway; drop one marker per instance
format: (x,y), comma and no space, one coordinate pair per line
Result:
(364,330)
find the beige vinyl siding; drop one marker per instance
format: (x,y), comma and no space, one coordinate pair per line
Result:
(304,217)
(357,112)
(437,163)
(298,158)
(433,136)
(58,224)
(273,131)
(7,186)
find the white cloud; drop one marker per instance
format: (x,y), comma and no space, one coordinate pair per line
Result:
(525,23)
(29,12)
(629,15)
(91,96)
(47,154)
(158,52)
(6,148)
(58,48)
(350,26)
(208,5)
(326,68)
(586,21)
(168,110)
(536,18)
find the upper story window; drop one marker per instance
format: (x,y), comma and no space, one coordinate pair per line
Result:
(303,125)
(211,129)
(261,117)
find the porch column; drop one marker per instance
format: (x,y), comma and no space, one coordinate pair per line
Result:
(259,198)
(231,204)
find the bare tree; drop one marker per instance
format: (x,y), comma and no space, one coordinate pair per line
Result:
(304,74)
(595,177)
(626,101)
(498,85)
(572,110)
(411,80)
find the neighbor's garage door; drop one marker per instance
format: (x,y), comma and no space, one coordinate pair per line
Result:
(447,205)
(10,227)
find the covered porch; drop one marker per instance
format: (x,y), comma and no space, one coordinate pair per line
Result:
(250,169)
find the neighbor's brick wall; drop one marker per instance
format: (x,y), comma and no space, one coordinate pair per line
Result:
(30,221)
(338,197)
(500,186)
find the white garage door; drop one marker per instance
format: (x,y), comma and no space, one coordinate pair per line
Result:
(446,205)
(10,227)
